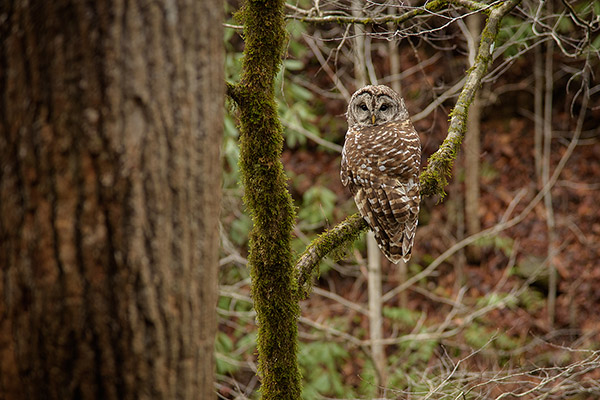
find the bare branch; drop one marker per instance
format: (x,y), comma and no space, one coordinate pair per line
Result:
(346,303)
(315,138)
(428,8)
(439,100)
(332,75)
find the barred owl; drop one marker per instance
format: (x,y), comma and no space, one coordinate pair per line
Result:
(380,165)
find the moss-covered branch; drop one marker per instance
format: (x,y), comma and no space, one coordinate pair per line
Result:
(268,200)
(439,168)
(340,236)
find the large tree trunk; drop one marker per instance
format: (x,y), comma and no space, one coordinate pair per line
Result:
(110,124)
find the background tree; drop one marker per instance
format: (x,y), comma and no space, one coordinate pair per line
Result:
(110,125)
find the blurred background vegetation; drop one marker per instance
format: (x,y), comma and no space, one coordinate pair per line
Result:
(489,319)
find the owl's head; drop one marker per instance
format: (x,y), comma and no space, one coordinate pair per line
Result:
(375,105)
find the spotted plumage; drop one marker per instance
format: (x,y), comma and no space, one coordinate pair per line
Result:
(381,159)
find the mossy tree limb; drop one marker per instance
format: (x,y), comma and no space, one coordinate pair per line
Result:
(439,167)
(268,200)
(334,239)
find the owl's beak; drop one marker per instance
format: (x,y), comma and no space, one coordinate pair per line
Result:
(373,118)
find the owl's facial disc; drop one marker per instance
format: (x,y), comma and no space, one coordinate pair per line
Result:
(375,105)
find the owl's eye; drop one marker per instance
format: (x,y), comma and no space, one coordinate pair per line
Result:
(364,107)
(383,107)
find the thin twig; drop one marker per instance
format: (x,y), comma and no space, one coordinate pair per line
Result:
(315,138)
(428,8)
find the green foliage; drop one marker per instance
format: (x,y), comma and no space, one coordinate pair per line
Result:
(240,228)
(231,154)
(224,347)
(368,381)
(321,364)
(230,353)
(408,363)
(502,243)
(318,203)
(295,105)
(488,172)
(479,336)
(404,317)
(227,303)
(495,299)
(421,351)
(532,300)
(516,34)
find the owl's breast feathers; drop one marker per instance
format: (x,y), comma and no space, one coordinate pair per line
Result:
(380,166)
(386,154)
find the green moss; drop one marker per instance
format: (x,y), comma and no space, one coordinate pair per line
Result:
(439,169)
(477,6)
(268,200)
(334,242)
(436,5)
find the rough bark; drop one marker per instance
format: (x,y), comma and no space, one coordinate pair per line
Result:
(110,123)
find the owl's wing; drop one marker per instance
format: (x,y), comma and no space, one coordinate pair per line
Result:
(344,169)
(403,199)
(392,213)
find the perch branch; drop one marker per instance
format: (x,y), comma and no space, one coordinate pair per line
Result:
(435,177)
(336,238)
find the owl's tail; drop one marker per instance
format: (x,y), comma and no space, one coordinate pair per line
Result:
(392,213)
